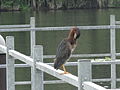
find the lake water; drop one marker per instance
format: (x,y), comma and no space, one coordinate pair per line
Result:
(93,41)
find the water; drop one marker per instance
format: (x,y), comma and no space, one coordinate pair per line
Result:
(95,41)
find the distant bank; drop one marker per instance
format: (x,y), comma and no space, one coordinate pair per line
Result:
(6,5)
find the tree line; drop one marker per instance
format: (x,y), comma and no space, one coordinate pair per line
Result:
(56,4)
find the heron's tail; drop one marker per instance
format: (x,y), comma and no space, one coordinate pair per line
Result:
(56,64)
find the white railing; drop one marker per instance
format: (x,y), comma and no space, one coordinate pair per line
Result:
(92,86)
(39,68)
(11,54)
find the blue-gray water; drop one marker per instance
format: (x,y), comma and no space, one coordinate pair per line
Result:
(93,41)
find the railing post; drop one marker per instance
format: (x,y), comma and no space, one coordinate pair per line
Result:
(10,70)
(113,51)
(32,34)
(84,72)
(37,75)
(32,43)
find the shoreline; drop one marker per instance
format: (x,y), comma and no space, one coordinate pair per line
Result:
(44,9)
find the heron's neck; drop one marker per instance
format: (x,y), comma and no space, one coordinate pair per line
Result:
(71,40)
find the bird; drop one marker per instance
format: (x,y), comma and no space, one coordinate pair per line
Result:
(65,49)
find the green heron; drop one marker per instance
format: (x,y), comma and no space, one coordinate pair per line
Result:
(65,48)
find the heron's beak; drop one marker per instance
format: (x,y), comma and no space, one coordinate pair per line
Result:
(75,35)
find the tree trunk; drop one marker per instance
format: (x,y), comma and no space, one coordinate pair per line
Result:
(34,4)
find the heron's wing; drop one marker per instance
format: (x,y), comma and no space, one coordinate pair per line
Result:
(63,53)
(63,50)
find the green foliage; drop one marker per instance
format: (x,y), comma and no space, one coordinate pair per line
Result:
(22,4)
(24,7)
(56,4)
(14,5)
(117,3)
(7,4)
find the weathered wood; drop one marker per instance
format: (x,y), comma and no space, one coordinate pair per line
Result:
(10,71)
(84,72)
(92,86)
(37,75)
(113,51)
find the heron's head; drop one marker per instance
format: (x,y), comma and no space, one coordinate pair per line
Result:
(74,33)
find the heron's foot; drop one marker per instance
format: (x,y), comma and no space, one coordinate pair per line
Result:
(64,73)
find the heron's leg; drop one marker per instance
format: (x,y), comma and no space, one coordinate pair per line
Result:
(64,69)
